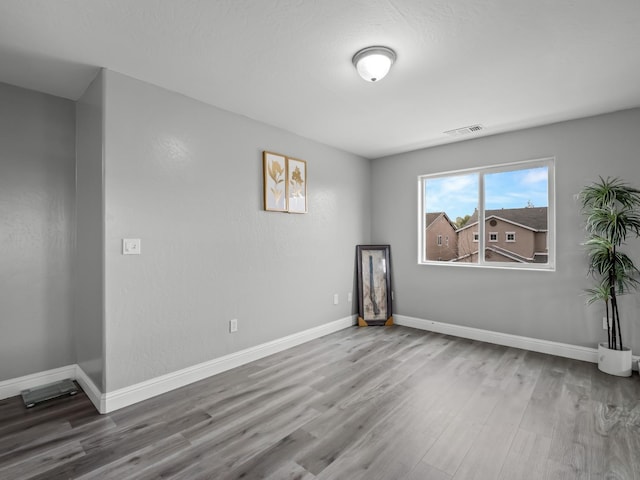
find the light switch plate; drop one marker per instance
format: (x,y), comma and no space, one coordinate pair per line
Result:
(131,246)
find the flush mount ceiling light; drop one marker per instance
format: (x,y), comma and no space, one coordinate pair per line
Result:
(373,63)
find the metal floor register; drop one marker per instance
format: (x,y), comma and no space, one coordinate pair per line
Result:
(33,396)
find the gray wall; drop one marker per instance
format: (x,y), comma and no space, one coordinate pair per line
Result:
(186,178)
(544,305)
(89,253)
(37,135)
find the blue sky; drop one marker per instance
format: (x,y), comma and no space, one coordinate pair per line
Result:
(457,195)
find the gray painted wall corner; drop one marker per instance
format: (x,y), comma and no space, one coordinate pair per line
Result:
(37,134)
(544,305)
(186,178)
(89,245)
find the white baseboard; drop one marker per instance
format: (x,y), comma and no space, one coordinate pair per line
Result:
(13,386)
(90,388)
(150,388)
(526,343)
(110,401)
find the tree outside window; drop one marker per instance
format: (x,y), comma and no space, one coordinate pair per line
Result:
(492,206)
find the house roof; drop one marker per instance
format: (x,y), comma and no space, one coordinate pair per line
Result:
(534,218)
(433,216)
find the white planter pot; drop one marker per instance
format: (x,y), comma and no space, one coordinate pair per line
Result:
(614,362)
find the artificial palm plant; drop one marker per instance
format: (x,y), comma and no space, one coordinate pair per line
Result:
(612,211)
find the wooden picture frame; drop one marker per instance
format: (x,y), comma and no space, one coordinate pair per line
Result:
(374,285)
(296,185)
(275,182)
(284,182)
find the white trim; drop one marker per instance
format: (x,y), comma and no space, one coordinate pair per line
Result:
(422,220)
(497,167)
(126,396)
(506,237)
(110,401)
(90,388)
(468,225)
(13,386)
(548,163)
(576,352)
(508,254)
(510,222)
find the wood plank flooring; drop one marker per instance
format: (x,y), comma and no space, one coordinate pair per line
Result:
(388,403)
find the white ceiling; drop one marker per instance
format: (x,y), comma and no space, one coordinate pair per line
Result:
(505,64)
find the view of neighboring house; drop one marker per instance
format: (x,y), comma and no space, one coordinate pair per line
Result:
(511,235)
(441,237)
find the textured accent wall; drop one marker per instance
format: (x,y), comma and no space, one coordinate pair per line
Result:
(37,159)
(186,178)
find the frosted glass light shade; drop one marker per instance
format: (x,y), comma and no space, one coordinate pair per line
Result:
(373,63)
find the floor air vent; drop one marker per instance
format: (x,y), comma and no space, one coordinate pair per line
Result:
(33,396)
(464,130)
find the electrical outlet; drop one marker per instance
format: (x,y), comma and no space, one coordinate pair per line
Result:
(604,323)
(335,298)
(233,325)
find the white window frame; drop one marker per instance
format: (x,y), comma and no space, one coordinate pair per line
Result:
(550,266)
(494,235)
(506,237)
(439,240)
(476,237)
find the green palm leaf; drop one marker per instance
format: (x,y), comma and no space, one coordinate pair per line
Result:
(612,212)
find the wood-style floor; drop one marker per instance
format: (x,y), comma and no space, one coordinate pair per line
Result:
(371,403)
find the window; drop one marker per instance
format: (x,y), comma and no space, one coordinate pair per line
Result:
(482,211)
(446,240)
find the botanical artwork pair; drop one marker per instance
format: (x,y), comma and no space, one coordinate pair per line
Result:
(285,183)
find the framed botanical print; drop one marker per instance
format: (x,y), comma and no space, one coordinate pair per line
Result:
(284,183)
(374,285)
(275,182)
(297,185)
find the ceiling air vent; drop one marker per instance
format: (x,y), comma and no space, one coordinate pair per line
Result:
(464,130)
